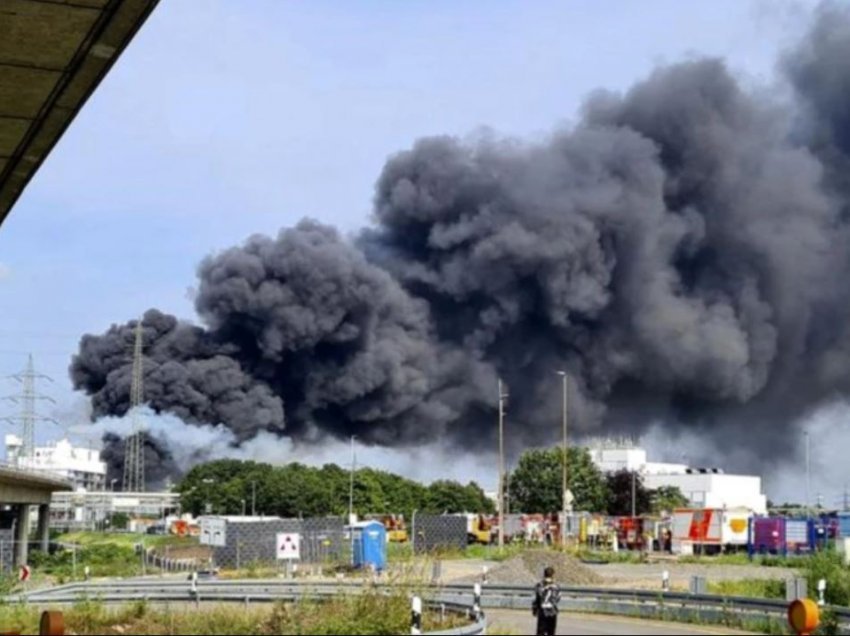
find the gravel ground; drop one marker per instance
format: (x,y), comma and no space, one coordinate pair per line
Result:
(622,575)
(648,576)
(527,569)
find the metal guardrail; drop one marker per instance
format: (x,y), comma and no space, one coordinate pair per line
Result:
(168,591)
(643,603)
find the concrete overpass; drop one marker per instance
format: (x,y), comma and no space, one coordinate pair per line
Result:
(22,489)
(53,55)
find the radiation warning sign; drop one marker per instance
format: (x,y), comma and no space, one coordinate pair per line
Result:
(289,546)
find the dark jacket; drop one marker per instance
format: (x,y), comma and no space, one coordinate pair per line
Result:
(547,595)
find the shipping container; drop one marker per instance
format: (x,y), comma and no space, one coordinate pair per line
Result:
(797,535)
(711,530)
(780,535)
(768,535)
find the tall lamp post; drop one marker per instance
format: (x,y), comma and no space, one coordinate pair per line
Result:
(351,484)
(808,474)
(502,396)
(565,503)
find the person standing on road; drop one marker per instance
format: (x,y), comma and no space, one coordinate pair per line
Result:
(547,595)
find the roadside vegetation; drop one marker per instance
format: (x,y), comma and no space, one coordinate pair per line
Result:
(749,588)
(766,560)
(403,552)
(111,554)
(360,614)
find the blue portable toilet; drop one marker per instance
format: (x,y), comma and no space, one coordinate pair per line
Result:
(369,545)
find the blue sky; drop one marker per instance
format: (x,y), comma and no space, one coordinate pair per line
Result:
(228,118)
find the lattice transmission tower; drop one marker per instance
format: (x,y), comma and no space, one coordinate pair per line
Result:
(28,415)
(134,446)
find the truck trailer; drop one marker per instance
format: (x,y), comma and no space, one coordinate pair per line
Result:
(710,530)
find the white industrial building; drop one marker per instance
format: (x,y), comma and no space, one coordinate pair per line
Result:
(704,487)
(81,466)
(90,504)
(90,510)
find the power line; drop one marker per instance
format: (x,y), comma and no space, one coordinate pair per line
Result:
(27,399)
(134,453)
(36,334)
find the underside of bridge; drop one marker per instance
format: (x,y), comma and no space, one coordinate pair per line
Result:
(53,55)
(21,489)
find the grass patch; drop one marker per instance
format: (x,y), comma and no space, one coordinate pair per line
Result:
(403,552)
(750,588)
(493,552)
(103,560)
(767,560)
(125,539)
(106,554)
(610,557)
(360,614)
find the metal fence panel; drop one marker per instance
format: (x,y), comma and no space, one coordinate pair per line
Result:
(7,545)
(253,542)
(438,532)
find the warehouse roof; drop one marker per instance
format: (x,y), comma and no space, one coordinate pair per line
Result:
(53,55)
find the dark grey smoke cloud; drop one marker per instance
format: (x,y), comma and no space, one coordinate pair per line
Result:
(160,465)
(681,251)
(819,70)
(303,320)
(186,372)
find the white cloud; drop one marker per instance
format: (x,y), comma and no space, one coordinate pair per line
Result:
(5,271)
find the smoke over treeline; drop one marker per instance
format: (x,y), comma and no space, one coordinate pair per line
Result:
(682,252)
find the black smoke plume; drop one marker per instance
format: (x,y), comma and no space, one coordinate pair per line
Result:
(158,460)
(682,252)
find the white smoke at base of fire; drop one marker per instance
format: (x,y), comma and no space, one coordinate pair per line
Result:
(191,444)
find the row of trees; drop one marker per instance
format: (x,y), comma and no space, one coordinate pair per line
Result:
(231,486)
(537,485)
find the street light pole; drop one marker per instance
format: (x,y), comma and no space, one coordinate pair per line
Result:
(253,498)
(351,484)
(808,474)
(634,495)
(501,465)
(564,463)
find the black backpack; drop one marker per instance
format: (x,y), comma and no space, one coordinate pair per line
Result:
(549,595)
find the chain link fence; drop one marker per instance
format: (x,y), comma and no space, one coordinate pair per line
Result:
(432,533)
(254,542)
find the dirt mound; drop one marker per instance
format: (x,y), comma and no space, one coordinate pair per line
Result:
(527,569)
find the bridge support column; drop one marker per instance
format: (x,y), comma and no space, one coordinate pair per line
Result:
(44,527)
(22,530)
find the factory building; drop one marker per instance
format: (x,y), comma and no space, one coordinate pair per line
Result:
(92,510)
(704,487)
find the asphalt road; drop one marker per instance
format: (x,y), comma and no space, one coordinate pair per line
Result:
(513,622)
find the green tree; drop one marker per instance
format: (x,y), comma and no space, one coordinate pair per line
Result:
(620,494)
(120,521)
(447,496)
(667,499)
(297,490)
(479,501)
(537,483)
(224,484)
